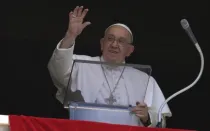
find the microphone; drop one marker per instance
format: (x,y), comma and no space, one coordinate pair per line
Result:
(186,27)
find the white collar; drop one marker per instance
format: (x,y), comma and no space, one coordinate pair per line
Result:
(102,59)
(119,68)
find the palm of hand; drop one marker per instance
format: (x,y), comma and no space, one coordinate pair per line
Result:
(75,26)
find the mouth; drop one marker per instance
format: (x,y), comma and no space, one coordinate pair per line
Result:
(113,51)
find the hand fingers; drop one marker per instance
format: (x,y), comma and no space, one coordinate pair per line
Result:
(84,13)
(140,107)
(139,115)
(79,13)
(75,12)
(140,112)
(71,15)
(136,109)
(137,103)
(86,24)
(142,104)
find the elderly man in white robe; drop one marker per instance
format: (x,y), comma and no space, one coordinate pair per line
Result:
(116,45)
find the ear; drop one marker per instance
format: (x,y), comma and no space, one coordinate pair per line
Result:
(130,50)
(102,43)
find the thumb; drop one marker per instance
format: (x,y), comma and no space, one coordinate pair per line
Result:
(85,24)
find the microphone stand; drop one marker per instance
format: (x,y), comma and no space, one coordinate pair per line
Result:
(159,124)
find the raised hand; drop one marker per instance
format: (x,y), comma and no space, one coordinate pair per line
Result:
(75,27)
(76,21)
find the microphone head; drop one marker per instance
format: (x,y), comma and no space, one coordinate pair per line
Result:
(184,24)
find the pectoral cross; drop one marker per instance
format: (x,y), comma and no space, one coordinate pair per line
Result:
(111,100)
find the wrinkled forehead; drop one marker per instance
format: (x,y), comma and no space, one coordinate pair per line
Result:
(119,31)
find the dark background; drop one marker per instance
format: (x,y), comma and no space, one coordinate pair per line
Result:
(34,28)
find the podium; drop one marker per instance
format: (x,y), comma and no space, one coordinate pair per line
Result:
(83,107)
(103,113)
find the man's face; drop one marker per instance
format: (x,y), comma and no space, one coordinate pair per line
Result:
(116,44)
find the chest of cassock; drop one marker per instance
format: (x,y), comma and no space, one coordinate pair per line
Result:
(89,79)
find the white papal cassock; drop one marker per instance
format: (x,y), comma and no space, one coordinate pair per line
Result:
(90,80)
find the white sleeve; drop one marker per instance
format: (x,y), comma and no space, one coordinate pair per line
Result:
(59,67)
(155,100)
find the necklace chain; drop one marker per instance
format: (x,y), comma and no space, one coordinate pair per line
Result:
(111,92)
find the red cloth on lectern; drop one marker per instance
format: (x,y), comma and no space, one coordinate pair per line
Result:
(28,123)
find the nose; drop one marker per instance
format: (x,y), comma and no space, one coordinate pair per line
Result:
(114,44)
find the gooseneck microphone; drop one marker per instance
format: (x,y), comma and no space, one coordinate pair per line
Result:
(186,27)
